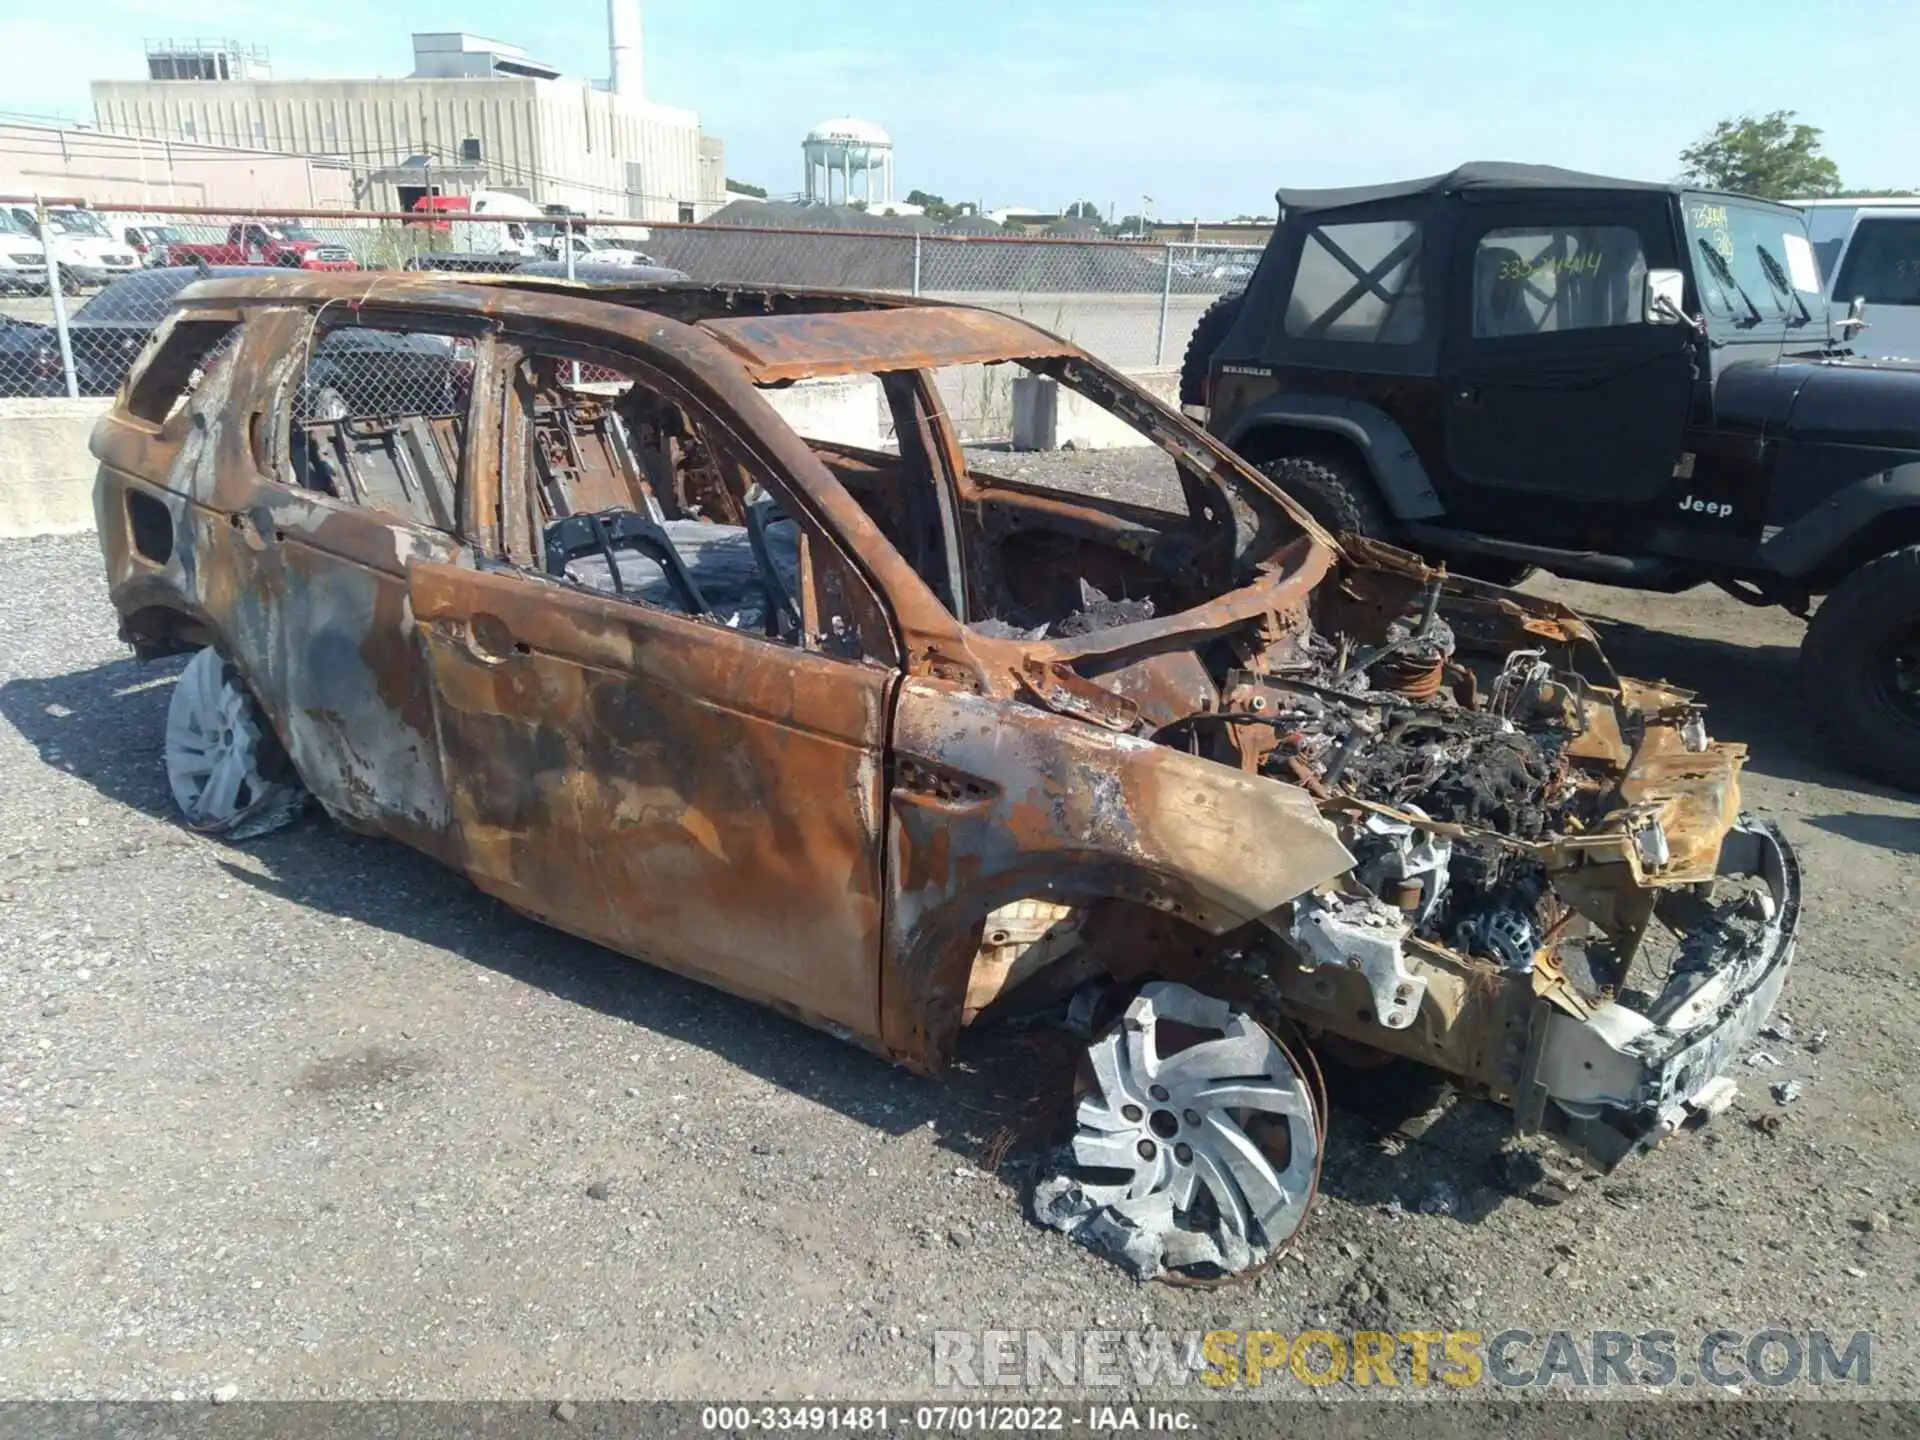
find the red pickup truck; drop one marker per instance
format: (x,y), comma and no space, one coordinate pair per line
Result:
(267,242)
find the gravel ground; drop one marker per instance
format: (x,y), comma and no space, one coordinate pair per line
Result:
(309,1117)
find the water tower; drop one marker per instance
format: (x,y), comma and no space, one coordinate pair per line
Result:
(848,148)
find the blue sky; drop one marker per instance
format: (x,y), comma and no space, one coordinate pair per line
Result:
(1206,105)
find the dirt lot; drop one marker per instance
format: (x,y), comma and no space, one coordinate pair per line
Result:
(309,1117)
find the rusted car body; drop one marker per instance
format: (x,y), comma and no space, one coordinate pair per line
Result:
(944,765)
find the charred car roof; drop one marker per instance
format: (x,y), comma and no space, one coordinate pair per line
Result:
(777,333)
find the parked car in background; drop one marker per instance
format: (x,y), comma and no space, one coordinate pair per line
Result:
(283,243)
(1877,269)
(23,260)
(29,359)
(80,244)
(1829,220)
(365,371)
(594,248)
(151,243)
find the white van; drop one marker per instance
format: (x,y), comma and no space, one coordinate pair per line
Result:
(81,244)
(1878,262)
(23,260)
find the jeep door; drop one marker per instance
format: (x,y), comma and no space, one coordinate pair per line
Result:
(635,752)
(1559,390)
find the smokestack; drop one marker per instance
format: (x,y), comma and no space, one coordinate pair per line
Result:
(623,49)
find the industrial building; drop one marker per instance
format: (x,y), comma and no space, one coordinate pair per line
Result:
(474,114)
(68,162)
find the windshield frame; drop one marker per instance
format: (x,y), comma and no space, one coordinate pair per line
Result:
(1738,228)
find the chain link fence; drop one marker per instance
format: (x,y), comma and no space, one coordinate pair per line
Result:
(75,328)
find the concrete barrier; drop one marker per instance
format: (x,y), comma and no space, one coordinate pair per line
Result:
(844,410)
(46,472)
(1049,416)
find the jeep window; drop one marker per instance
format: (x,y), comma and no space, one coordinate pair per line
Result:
(1882,264)
(1539,280)
(292,234)
(1737,286)
(1359,282)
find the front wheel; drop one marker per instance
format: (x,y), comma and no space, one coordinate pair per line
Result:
(1861,663)
(225,766)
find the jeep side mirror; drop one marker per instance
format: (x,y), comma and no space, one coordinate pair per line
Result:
(1666,297)
(1856,320)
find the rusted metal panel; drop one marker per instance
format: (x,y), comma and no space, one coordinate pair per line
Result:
(1029,805)
(669,788)
(799,347)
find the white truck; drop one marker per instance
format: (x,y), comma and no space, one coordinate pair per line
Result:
(500,224)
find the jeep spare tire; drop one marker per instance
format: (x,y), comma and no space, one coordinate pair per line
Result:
(1861,663)
(1212,327)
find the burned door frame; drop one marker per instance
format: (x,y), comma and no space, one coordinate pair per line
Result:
(670,787)
(322,627)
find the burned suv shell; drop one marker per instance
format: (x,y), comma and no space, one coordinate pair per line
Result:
(928,762)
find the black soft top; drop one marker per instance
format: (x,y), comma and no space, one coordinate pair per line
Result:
(1477,175)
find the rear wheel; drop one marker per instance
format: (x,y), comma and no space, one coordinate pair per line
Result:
(1212,327)
(1337,493)
(225,766)
(1861,663)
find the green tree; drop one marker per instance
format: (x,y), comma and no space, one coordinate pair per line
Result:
(935,206)
(1084,210)
(1768,155)
(741,187)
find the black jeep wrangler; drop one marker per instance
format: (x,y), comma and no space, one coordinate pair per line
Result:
(1516,366)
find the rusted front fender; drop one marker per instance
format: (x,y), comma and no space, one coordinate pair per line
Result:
(994,800)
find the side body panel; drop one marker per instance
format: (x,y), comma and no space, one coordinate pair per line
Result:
(667,787)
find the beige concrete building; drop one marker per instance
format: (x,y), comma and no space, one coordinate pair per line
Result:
(474,114)
(66,162)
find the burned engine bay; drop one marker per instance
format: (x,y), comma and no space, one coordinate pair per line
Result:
(1553,902)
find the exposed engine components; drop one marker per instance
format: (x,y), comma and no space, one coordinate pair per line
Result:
(1405,867)
(1505,932)
(1200,1160)
(1361,933)
(1402,726)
